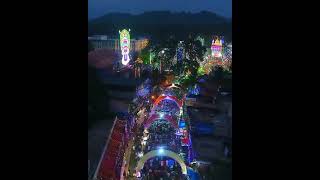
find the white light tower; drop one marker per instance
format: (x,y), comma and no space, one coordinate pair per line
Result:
(125,46)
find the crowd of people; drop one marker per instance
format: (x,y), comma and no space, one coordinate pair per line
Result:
(161,134)
(169,107)
(161,168)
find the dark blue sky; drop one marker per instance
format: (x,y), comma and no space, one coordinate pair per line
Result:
(101,7)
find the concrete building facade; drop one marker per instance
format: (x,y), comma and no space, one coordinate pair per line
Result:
(102,41)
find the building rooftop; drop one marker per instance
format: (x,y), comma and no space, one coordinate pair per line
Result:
(207,148)
(101,58)
(98,37)
(202,114)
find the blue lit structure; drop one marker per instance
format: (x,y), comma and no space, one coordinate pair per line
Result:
(182,124)
(179,54)
(180,51)
(192,174)
(195,90)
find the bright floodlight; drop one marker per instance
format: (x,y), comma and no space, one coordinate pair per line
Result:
(138,174)
(140,154)
(145,138)
(161,150)
(161,115)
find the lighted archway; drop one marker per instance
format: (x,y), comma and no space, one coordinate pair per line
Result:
(157,116)
(167,97)
(162,152)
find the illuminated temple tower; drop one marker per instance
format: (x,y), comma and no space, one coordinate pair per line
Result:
(216,48)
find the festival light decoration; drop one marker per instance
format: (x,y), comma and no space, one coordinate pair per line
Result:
(195,90)
(125,46)
(216,47)
(161,150)
(161,115)
(180,51)
(140,154)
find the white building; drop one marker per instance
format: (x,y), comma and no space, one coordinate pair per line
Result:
(103,41)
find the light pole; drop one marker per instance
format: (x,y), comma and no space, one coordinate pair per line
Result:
(150,57)
(161,60)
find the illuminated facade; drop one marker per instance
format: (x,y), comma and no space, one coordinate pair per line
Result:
(216,47)
(99,42)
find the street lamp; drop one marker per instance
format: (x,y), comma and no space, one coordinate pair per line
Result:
(161,59)
(140,154)
(161,150)
(161,116)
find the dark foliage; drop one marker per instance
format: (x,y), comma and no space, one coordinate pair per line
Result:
(162,24)
(97,98)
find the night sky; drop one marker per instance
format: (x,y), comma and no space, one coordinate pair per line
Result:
(101,7)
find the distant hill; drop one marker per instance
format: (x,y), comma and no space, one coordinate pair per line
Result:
(162,23)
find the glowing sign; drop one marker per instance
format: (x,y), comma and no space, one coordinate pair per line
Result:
(125,46)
